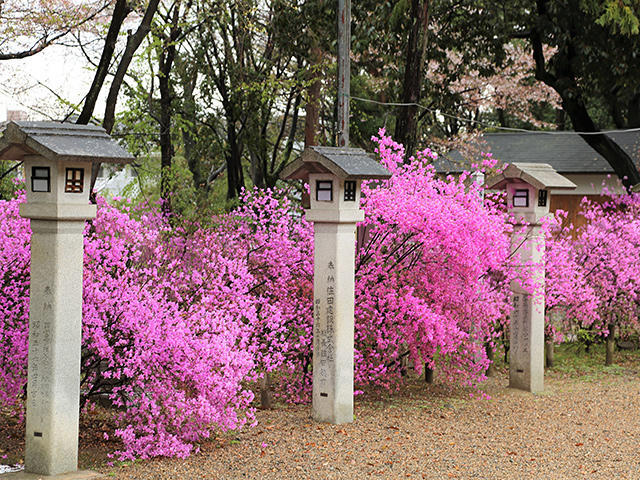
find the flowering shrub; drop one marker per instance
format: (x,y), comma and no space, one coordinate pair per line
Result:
(179,321)
(592,273)
(162,332)
(162,336)
(431,277)
(267,231)
(14,302)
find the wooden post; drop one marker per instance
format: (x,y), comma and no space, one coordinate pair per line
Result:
(344,70)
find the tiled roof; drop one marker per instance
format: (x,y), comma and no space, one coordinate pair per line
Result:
(60,141)
(565,153)
(340,161)
(541,175)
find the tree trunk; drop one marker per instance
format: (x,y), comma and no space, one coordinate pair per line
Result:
(188,77)
(491,371)
(257,166)
(611,345)
(506,345)
(274,174)
(549,351)
(166,60)
(561,119)
(166,145)
(266,400)
(502,118)
(312,108)
(634,112)
(120,12)
(619,160)
(235,175)
(428,374)
(563,81)
(133,42)
(407,121)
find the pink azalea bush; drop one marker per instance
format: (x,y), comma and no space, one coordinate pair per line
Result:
(181,321)
(269,233)
(163,336)
(176,324)
(593,273)
(162,328)
(14,302)
(431,272)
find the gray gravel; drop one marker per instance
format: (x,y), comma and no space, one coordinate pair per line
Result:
(578,428)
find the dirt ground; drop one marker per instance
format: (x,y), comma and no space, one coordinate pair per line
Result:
(585,425)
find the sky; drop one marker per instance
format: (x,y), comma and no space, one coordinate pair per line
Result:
(25,84)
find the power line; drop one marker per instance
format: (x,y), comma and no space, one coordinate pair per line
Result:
(487,125)
(399,104)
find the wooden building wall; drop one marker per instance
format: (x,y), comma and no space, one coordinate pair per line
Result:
(571,204)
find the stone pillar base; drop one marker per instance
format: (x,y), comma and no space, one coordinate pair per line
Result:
(78,475)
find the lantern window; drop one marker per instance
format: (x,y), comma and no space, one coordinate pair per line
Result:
(40,179)
(542,198)
(74,180)
(349,191)
(324,190)
(521,198)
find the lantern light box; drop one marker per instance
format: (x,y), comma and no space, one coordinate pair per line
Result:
(334,175)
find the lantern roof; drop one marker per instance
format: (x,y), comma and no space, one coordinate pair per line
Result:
(345,163)
(540,175)
(60,141)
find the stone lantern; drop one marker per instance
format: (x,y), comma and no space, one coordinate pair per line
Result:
(334,176)
(57,159)
(528,197)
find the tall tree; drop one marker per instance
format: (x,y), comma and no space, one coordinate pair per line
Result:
(253,69)
(170,33)
(121,10)
(591,66)
(27,27)
(407,120)
(417,51)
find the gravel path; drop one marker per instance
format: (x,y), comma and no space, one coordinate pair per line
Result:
(587,427)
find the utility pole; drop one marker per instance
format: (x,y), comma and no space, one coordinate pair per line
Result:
(344,70)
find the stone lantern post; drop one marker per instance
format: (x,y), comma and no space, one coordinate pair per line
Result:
(528,198)
(57,161)
(334,176)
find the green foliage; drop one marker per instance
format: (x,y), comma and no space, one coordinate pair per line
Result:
(188,204)
(587,338)
(604,66)
(242,73)
(621,16)
(576,362)
(10,173)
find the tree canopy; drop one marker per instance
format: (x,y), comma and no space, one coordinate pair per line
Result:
(236,89)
